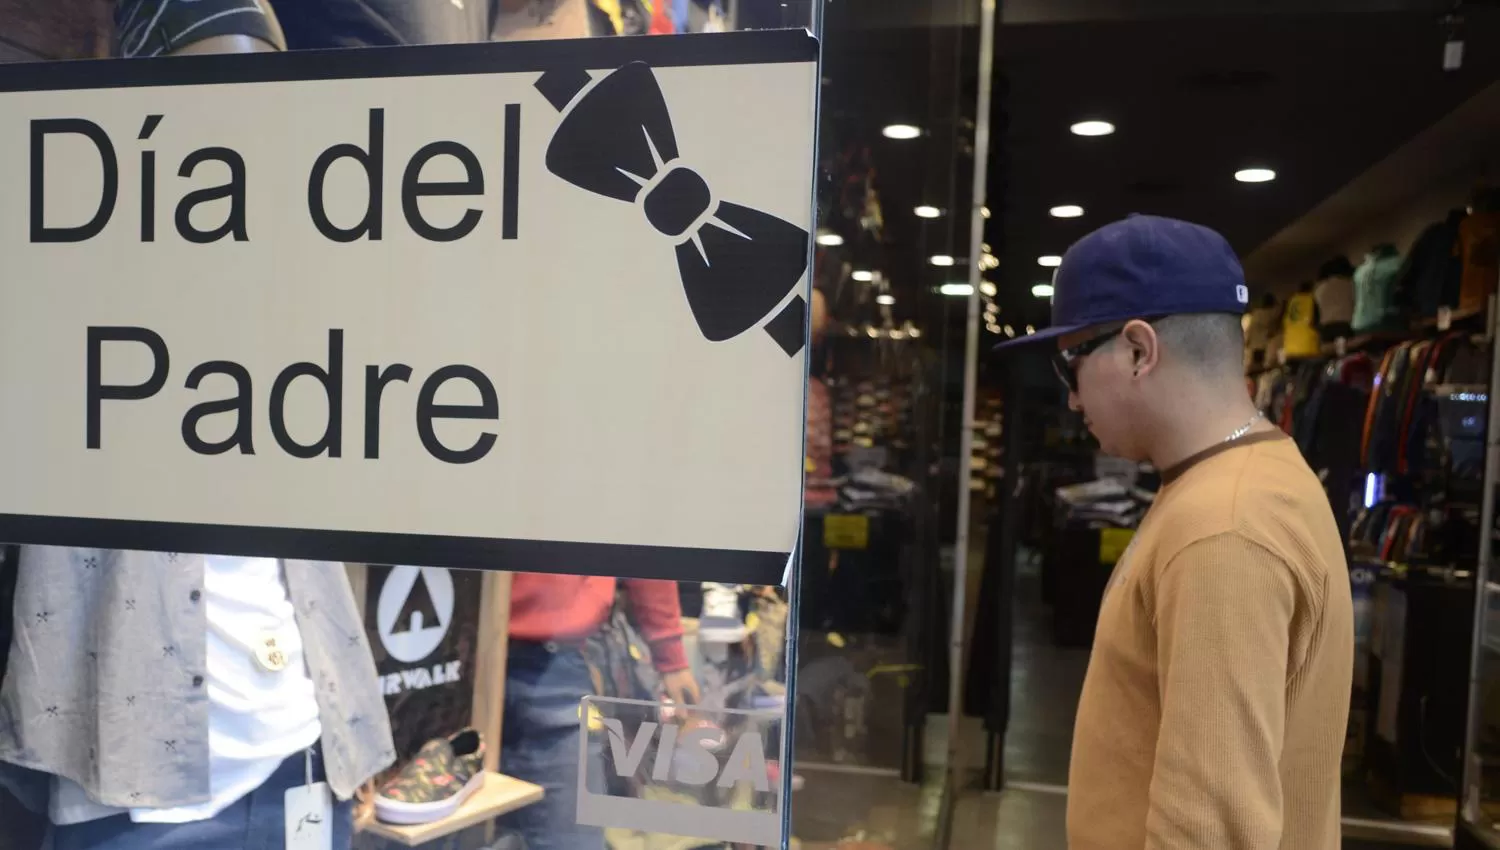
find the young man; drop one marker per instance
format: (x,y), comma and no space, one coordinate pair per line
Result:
(1214,709)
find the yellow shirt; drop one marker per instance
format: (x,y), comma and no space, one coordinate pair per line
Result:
(1214,710)
(1299,328)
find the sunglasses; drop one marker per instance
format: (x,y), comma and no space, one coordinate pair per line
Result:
(1065,360)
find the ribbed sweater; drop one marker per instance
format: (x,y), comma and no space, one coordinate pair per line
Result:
(1214,710)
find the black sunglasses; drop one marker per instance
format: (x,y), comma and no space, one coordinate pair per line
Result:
(1065,360)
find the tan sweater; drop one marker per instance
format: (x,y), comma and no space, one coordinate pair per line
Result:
(1214,710)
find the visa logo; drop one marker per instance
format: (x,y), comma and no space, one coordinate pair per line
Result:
(687,755)
(696,769)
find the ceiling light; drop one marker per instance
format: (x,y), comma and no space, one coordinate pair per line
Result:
(988,288)
(863,275)
(1050,261)
(1092,128)
(961,289)
(829,239)
(1042,290)
(901,131)
(984,211)
(1255,175)
(1030,330)
(872,332)
(885,300)
(1010,331)
(926,211)
(941,260)
(1066,211)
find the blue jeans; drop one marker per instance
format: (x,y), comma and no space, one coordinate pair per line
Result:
(256,822)
(540,744)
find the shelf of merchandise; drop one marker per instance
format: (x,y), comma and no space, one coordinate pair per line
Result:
(499,794)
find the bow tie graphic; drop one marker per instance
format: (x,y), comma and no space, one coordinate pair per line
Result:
(736,264)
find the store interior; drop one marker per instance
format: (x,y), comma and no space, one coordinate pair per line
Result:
(1349,157)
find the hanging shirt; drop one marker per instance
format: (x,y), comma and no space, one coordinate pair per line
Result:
(1262,322)
(1374,288)
(1299,327)
(1479,241)
(1335,297)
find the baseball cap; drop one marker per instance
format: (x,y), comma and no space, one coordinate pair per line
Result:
(1143,267)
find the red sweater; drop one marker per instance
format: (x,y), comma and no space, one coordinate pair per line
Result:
(546,606)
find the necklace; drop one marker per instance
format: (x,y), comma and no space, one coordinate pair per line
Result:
(1243,429)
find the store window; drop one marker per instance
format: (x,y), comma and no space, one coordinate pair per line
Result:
(316,292)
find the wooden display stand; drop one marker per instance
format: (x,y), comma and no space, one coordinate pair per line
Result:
(499,794)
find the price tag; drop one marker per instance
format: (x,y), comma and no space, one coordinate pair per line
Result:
(846,531)
(309,817)
(1444,318)
(1453,55)
(1113,542)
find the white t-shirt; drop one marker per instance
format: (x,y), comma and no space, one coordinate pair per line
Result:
(256,718)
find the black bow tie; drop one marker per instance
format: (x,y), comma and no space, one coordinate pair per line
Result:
(737,264)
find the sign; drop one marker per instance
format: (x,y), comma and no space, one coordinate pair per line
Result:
(423,628)
(534,306)
(846,531)
(701,772)
(1113,543)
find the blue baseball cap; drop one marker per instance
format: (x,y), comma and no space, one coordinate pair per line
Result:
(1143,267)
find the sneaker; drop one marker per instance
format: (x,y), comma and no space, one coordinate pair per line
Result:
(721,621)
(433,785)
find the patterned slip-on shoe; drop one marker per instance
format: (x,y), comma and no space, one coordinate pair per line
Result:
(433,785)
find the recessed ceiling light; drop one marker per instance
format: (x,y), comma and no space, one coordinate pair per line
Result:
(1255,175)
(984,211)
(1010,331)
(829,239)
(901,131)
(941,260)
(1050,261)
(958,289)
(988,288)
(1042,290)
(926,211)
(1092,128)
(1066,211)
(885,300)
(863,275)
(1030,330)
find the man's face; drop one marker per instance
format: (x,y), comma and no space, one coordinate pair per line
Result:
(1102,387)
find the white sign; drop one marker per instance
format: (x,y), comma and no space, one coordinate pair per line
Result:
(514,306)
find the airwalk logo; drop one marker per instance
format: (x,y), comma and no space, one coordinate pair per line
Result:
(414,615)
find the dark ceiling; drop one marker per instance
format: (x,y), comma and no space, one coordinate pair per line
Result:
(1318,97)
